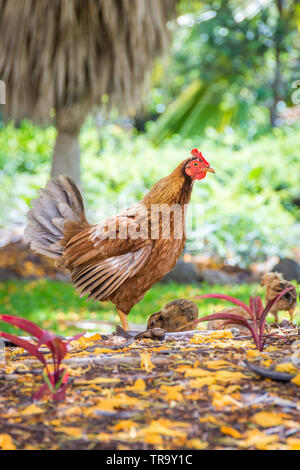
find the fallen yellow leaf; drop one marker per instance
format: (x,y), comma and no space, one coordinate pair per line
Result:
(293,443)
(103,437)
(98,380)
(267,419)
(146,363)
(196,444)
(71,411)
(231,432)
(229,376)
(139,386)
(95,337)
(216,364)
(223,334)
(124,425)
(191,372)
(296,379)
(109,404)
(267,363)
(258,439)
(76,372)
(201,382)
(156,427)
(177,424)
(104,351)
(252,353)
(220,401)
(286,367)
(32,410)
(212,377)
(210,419)
(70,431)
(172,392)
(154,439)
(6,442)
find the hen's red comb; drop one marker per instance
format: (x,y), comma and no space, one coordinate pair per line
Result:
(198,154)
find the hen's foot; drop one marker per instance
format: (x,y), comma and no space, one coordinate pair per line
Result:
(124,320)
(291,313)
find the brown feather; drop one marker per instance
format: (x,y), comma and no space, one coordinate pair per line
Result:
(102,262)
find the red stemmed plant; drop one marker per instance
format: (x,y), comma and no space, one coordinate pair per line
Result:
(256,310)
(55,376)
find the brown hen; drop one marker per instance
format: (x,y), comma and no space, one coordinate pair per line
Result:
(120,258)
(223,324)
(177,315)
(275,283)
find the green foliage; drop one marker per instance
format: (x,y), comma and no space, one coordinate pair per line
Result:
(247,207)
(223,68)
(26,149)
(25,155)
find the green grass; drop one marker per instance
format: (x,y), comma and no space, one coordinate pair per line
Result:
(52,305)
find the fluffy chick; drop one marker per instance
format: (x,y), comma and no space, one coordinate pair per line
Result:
(177,315)
(275,283)
(223,324)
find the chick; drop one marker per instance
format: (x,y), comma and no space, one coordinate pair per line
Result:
(177,315)
(275,284)
(223,324)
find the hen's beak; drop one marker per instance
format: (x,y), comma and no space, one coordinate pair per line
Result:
(209,170)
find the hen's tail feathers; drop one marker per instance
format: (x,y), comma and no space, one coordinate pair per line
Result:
(57,215)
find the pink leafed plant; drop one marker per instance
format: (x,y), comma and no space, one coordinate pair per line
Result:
(256,310)
(55,375)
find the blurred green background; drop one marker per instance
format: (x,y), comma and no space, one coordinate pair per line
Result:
(230,85)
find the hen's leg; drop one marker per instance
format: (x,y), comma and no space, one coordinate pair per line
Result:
(124,320)
(291,312)
(276,317)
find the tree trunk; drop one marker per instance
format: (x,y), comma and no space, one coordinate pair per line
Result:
(276,85)
(276,92)
(66,156)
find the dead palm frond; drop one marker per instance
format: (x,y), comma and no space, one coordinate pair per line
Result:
(64,55)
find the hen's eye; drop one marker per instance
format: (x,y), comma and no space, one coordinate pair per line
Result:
(195,164)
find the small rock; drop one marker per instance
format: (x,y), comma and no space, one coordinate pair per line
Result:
(183,273)
(285,323)
(116,340)
(155,333)
(235,331)
(215,276)
(7,275)
(289,268)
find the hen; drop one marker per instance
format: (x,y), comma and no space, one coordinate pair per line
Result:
(275,284)
(177,315)
(223,324)
(122,257)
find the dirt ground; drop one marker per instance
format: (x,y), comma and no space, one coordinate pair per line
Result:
(184,392)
